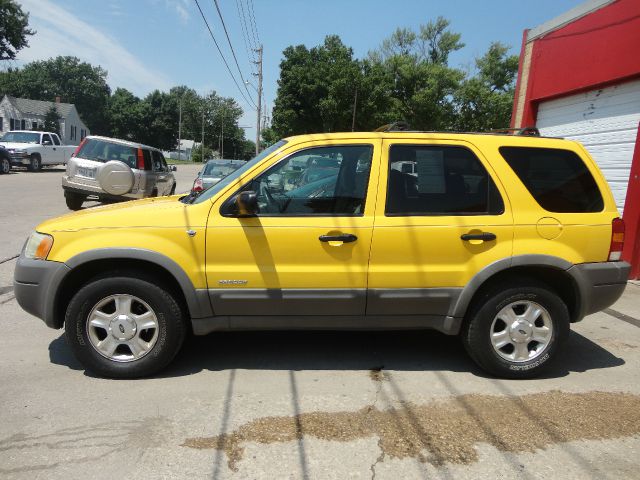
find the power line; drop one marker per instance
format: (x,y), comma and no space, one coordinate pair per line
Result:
(224,26)
(245,33)
(252,18)
(222,56)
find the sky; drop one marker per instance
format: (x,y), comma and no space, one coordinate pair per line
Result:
(156,44)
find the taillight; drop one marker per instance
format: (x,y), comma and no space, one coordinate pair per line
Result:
(197,185)
(617,240)
(75,154)
(140,164)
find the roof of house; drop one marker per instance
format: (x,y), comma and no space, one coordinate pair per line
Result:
(39,107)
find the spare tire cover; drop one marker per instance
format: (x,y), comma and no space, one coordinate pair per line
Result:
(116,178)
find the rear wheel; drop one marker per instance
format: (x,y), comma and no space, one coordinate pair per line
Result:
(5,165)
(74,200)
(124,327)
(514,331)
(35,163)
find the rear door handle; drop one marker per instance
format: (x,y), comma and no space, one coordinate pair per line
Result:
(485,236)
(346,238)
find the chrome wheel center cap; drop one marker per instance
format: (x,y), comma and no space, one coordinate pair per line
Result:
(122,327)
(521,331)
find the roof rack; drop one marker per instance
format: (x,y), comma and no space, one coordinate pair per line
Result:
(525,131)
(394,127)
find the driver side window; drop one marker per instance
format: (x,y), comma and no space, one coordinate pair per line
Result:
(316,181)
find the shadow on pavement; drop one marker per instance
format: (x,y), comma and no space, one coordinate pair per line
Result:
(402,351)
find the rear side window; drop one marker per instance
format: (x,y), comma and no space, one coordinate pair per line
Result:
(101,151)
(431,180)
(557,179)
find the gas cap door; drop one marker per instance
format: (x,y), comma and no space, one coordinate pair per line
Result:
(116,178)
(549,228)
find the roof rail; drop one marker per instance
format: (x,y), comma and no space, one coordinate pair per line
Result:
(394,127)
(525,131)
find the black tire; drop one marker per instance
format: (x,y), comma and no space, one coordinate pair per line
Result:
(170,325)
(74,200)
(477,330)
(35,163)
(5,165)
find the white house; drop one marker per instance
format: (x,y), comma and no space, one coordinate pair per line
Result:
(26,114)
(184,151)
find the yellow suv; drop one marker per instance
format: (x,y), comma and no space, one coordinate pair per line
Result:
(502,239)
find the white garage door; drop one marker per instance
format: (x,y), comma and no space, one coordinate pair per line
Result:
(605,121)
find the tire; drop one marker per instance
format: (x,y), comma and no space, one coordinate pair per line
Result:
(5,165)
(74,200)
(35,163)
(106,351)
(515,330)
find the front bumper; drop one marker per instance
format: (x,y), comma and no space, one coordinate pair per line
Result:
(20,160)
(35,284)
(600,285)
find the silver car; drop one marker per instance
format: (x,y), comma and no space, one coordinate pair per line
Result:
(109,169)
(214,171)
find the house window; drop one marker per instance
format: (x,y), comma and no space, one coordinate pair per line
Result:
(34,125)
(83,133)
(1,124)
(23,125)
(11,124)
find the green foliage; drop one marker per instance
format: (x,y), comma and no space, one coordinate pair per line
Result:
(485,101)
(70,79)
(408,78)
(196,154)
(52,120)
(14,29)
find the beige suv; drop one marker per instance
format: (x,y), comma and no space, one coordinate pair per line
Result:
(109,169)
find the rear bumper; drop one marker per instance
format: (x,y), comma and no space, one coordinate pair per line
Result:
(95,191)
(35,285)
(600,285)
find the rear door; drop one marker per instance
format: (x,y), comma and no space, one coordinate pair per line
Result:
(441,217)
(306,252)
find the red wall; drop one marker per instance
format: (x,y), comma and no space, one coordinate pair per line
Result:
(598,49)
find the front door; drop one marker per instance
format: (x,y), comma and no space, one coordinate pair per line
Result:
(441,217)
(306,252)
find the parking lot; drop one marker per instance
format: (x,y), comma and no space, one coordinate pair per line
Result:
(308,405)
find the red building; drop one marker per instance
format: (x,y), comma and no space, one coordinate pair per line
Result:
(579,78)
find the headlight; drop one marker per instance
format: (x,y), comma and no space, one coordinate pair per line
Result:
(38,246)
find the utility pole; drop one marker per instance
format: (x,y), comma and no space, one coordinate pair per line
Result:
(222,131)
(180,130)
(202,142)
(259,105)
(355,102)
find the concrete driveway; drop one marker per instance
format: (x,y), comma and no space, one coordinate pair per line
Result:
(308,405)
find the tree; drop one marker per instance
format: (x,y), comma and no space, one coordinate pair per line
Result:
(196,154)
(52,120)
(126,115)
(484,101)
(70,79)
(13,29)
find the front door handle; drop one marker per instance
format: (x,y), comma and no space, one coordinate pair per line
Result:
(345,238)
(484,236)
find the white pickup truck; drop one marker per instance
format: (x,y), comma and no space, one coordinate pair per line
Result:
(36,149)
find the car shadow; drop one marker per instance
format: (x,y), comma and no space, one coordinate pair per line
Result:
(400,351)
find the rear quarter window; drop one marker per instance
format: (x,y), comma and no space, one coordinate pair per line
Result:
(557,179)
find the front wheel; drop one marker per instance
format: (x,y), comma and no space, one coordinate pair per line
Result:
(35,164)
(515,331)
(5,165)
(124,327)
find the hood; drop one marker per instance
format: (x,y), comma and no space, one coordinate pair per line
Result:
(14,146)
(164,212)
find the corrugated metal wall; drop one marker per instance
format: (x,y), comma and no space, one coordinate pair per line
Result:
(605,121)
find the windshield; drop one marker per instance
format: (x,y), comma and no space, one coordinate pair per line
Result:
(211,191)
(21,137)
(101,151)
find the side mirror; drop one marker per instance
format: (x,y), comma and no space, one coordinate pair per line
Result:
(174,168)
(46,142)
(247,204)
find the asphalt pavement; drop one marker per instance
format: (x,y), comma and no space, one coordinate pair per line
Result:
(308,405)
